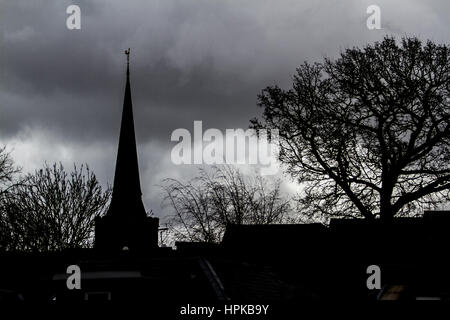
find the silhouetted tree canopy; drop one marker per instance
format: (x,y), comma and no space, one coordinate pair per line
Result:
(204,206)
(7,179)
(367,134)
(52,210)
(7,170)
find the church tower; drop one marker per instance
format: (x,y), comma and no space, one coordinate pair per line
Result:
(126,223)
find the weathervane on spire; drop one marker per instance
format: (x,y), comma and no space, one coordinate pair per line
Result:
(127,52)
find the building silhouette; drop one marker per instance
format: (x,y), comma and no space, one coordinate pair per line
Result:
(126,224)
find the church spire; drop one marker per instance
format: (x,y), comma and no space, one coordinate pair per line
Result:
(126,224)
(127,196)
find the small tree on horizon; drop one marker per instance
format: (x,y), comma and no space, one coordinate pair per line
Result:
(202,207)
(7,171)
(52,210)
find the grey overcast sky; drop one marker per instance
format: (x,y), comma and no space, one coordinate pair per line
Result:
(61,91)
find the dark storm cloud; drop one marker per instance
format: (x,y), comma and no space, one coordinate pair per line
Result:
(191,60)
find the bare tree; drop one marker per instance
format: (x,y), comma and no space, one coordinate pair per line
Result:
(8,178)
(7,170)
(53,210)
(367,134)
(204,206)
